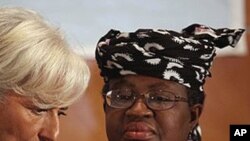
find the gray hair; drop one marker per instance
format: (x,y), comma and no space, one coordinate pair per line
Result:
(36,61)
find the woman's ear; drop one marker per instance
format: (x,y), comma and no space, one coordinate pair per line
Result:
(195,112)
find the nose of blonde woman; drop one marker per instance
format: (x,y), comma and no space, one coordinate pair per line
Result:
(50,127)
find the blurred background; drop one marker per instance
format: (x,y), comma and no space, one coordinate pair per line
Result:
(85,21)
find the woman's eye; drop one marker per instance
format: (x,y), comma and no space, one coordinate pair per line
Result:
(125,97)
(38,111)
(62,113)
(160,98)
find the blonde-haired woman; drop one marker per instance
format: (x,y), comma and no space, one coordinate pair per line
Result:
(40,76)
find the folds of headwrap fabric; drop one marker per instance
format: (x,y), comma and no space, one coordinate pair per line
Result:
(220,37)
(184,57)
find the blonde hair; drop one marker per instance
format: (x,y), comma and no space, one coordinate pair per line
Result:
(36,61)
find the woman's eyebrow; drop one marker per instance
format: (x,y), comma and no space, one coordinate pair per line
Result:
(123,82)
(159,85)
(64,108)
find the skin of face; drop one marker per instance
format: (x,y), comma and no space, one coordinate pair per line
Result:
(21,120)
(140,123)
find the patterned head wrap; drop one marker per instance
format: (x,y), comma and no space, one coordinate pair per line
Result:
(183,57)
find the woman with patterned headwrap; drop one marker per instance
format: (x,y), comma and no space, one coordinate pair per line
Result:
(154,80)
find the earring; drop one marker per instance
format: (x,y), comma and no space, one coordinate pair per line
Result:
(194,134)
(190,136)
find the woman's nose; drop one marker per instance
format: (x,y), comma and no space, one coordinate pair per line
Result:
(50,127)
(139,109)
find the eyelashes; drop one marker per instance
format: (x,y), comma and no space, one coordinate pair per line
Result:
(40,111)
(62,113)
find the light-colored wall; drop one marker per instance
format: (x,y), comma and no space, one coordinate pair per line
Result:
(85,21)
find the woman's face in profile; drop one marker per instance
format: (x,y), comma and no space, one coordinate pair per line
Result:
(21,120)
(139,122)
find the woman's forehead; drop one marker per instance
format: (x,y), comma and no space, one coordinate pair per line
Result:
(145,82)
(33,100)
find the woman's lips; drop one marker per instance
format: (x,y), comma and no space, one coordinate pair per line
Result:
(138,131)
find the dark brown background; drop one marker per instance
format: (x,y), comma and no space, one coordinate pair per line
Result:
(227,101)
